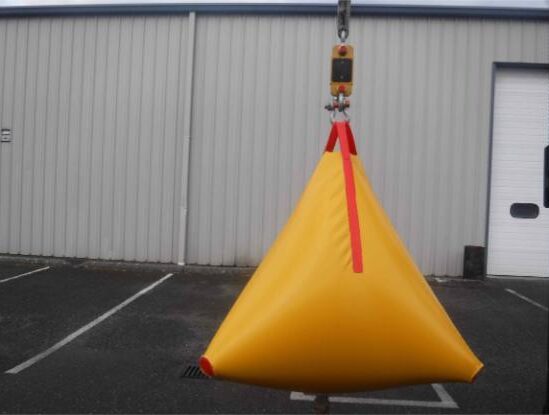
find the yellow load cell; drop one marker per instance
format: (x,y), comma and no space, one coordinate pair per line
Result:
(341,78)
(325,314)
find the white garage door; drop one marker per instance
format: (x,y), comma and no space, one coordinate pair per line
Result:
(518,241)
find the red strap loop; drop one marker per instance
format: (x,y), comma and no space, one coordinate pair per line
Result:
(342,130)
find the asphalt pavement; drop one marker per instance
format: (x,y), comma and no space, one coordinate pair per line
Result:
(99,339)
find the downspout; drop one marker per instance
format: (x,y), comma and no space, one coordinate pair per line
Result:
(186,161)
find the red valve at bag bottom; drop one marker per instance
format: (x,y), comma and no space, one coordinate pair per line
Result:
(205,366)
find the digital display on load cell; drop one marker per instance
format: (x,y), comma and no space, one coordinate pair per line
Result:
(342,70)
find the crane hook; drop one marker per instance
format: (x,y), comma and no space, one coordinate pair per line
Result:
(343,17)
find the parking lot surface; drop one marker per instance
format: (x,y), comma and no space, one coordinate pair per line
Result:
(83,339)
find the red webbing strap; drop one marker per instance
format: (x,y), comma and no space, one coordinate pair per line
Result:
(342,130)
(332,138)
(351,137)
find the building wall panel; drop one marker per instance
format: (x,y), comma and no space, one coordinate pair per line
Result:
(421,114)
(92,103)
(98,105)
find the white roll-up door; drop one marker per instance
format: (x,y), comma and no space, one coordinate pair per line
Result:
(518,241)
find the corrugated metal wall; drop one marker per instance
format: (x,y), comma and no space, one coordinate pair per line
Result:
(421,114)
(98,164)
(96,110)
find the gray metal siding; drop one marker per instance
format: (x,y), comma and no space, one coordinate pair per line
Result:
(95,106)
(98,108)
(421,115)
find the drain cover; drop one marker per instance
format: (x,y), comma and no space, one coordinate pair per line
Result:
(193,372)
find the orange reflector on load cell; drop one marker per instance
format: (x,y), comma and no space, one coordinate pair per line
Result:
(337,304)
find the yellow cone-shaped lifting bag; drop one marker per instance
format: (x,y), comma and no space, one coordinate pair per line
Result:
(306,321)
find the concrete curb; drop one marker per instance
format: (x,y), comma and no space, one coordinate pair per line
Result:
(31,259)
(219,270)
(127,265)
(99,264)
(207,270)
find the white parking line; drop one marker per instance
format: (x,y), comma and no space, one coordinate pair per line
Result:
(534,303)
(445,401)
(85,328)
(24,275)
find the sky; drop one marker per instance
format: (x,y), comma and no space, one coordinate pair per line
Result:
(541,4)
